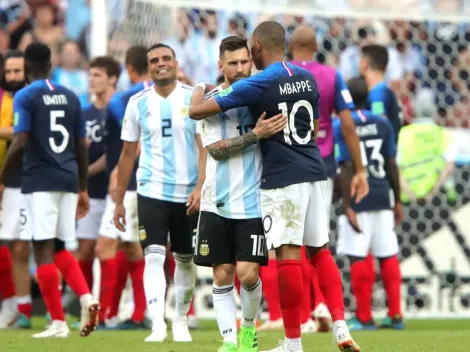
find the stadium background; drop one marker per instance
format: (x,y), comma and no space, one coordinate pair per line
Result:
(428,46)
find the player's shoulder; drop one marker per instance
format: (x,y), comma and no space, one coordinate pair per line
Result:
(136,97)
(213,92)
(186,87)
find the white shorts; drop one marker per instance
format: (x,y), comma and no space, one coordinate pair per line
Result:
(88,227)
(295,215)
(10,214)
(107,228)
(378,235)
(329,197)
(48,215)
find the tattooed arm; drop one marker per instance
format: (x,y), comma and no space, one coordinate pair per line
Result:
(225,148)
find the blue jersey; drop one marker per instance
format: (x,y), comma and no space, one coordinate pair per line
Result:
(13,178)
(382,101)
(116,111)
(51,115)
(94,121)
(377,143)
(291,156)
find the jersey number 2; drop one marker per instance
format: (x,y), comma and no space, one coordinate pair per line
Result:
(57,127)
(290,127)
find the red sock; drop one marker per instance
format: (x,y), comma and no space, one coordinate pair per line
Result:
(137,277)
(237,283)
(271,290)
(87,270)
(329,279)
(317,295)
(7,285)
(108,285)
(306,312)
(290,291)
(361,281)
(391,277)
(122,268)
(192,310)
(73,276)
(26,309)
(48,280)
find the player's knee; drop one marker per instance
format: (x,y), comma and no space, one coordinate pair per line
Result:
(224,274)
(249,279)
(4,243)
(105,249)
(133,251)
(44,252)
(313,251)
(353,259)
(20,251)
(184,261)
(87,250)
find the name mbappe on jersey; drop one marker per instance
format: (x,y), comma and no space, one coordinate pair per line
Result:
(377,144)
(291,156)
(51,115)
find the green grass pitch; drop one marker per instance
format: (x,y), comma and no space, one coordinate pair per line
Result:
(420,336)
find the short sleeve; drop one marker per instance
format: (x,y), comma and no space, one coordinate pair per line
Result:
(211,130)
(341,149)
(343,99)
(245,92)
(22,107)
(130,127)
(390,150)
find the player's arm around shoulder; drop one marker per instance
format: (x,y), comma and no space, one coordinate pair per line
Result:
(199,107)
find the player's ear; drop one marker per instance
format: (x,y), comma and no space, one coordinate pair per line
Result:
(221,66)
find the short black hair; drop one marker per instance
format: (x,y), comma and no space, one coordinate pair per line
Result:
(14,53)
(376,55)
(271,34)
(37,60)
(359,91)
(136,56)
(111,66)
(161,45)
(232,43)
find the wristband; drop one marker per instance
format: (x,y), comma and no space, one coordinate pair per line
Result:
(202,85)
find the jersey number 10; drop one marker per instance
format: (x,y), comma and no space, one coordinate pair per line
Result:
(57,127)
(290,128)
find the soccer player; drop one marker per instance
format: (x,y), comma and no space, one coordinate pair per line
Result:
(116,265)
(293,181)
(169,182)
(14,80)
(49,128)
(335,98)
(103,74)
(368,225)
(381,100)
(230,235)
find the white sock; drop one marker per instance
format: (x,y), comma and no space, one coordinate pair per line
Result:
(85,299)
(250,301)
(185,280)
(340,328)
(294,344)
(225,312)
(23,299)
(155,284)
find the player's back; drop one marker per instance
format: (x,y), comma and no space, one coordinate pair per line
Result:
(377,144)
(52,116)
(289,157)
(383,101)
(116,111)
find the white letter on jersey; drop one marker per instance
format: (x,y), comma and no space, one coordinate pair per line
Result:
(290,127)
(376,145)
(55,127)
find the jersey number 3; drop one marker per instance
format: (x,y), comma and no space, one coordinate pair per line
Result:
(57,127)
(290,128)
(375,156)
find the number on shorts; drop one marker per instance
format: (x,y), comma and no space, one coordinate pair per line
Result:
(290,127)
(258,246)
(57,127)
(23,218)
(375,156)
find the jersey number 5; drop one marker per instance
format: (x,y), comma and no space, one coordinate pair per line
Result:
(290,127)
(375,156)
(57,127)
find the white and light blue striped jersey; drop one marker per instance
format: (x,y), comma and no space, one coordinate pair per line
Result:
(231,188)
(168,164)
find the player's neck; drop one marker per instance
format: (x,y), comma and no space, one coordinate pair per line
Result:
(166,90)
(102,100)
(300,55)
(373,78)
(37,78)
(272,59)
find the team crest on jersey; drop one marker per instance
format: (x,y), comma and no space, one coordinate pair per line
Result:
(204,249)
(185,110)
(142,234)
